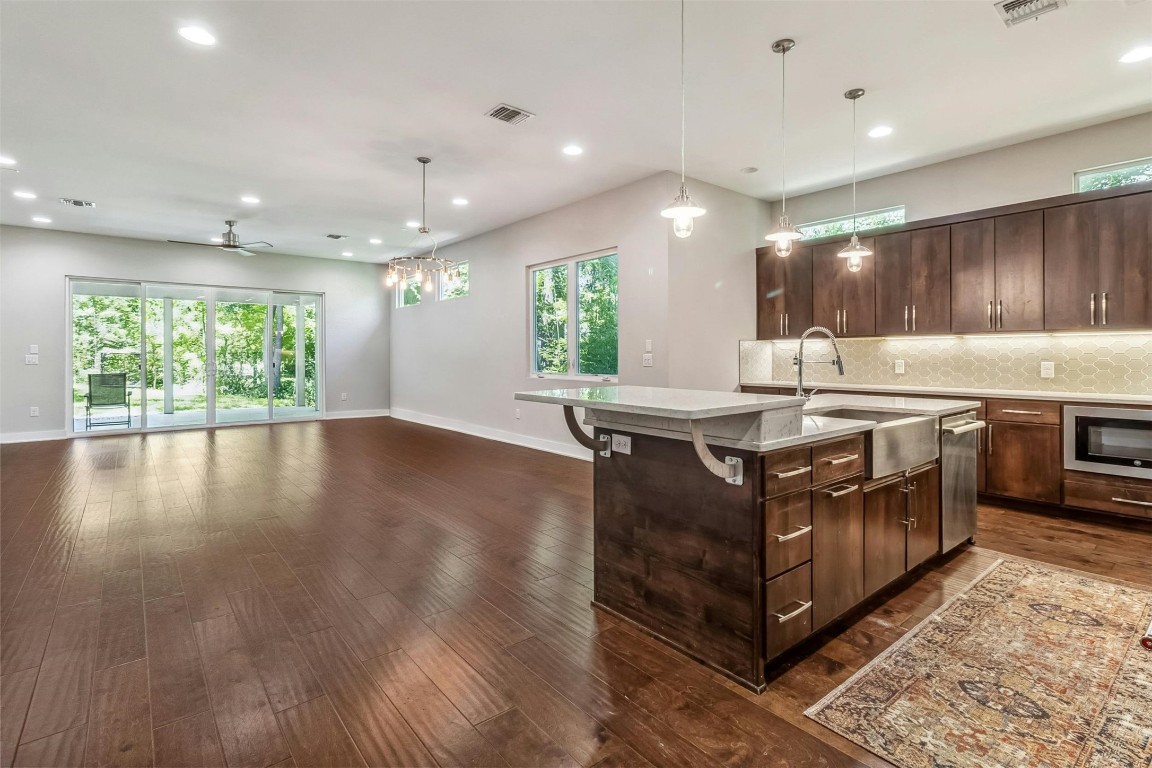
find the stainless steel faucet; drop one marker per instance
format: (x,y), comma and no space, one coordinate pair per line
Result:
(798,361)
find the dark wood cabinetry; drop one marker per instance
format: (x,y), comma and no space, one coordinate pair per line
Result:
(973,275)
(783,293)
(912,282)
(837,548)
(923,515)
(901,525)
(1098,264)
(1024,461)
(843,301)
(997,274)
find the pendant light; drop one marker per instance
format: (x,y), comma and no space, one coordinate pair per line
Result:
(785,234)
(401,269)
(682,210)
(854,251)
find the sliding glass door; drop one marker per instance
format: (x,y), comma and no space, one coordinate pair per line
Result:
(161,355)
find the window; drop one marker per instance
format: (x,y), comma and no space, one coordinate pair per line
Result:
(885,217)
(1117,175)
(455,287)
(408,292)
(574,317)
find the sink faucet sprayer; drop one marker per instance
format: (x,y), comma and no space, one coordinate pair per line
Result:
(798,361)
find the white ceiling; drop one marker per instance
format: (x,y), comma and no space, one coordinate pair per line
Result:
(320,107)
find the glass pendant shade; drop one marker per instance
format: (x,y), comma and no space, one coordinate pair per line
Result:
(784,236)
(783,248)
(682,226)
(855,253)
(855,263)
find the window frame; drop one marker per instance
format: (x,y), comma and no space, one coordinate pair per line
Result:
(441,282)
(847,218)
(1123,165)
(573,329)
(399,289)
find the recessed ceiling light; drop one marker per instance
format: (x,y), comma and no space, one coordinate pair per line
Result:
(197,35)
(375,241)
(347,254)
(24,194)
(5,160)
(41,219)
(573,150)
(412,224)
(250,199)
(880,131)
(1139,53)
(749,169)
(459,201)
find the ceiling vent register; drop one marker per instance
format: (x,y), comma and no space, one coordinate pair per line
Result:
(336,237)
(77,203)
(506,113)
(1016,11)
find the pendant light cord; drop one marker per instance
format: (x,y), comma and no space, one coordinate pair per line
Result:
(683,96)
(424,195)
(783,139)
(854,166)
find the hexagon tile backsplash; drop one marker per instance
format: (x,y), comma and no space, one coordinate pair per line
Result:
(1089,363)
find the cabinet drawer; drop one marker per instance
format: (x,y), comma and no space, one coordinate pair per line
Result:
(1027,411)
(787,532)
(1121,498)
(840,458)
(787,471)
(788,618)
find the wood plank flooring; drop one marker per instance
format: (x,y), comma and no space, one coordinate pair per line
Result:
(373,592)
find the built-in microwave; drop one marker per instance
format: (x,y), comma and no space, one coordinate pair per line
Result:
(1111,441)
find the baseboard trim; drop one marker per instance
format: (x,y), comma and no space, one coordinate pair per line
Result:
(573,451)
(33,437)
(357,414)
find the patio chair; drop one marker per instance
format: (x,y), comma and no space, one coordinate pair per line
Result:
(107,390)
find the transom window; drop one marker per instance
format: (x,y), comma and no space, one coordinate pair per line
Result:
(842,225)
(574,313)
(1115,175)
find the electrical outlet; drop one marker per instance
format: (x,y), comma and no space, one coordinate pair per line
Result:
(647,359)
(34,410)
(34,349)
(621,444)
(31,359)
(899,366)
(343,395)
(517,413)
(1047,369)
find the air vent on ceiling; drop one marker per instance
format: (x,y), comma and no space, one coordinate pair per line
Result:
(78,203)
(336,237)
(1015,11)
(506,113)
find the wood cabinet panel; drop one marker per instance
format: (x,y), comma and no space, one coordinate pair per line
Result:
(1071,269)
(931,288)
(1126,262)
(787,532)
(837,549)
(1027,411)
(843,301)
(787,471)
(885,513)
(1105,493)
(836,459)
(783,293)
(788,614)
(894,284)
(973,275)
(1020,272)
(1024,461)
(924,514)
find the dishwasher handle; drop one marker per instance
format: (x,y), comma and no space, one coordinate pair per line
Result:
(968,426)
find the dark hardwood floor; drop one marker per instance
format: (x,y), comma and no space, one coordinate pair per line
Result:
(376,592)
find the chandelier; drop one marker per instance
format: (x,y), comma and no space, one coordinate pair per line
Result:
(423,268)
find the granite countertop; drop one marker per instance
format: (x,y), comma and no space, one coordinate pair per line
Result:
(1009,394)
(661,401)
(921,406)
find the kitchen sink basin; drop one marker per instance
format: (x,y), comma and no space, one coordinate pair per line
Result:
(898,442)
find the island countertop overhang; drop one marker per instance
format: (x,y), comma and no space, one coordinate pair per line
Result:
(662,402)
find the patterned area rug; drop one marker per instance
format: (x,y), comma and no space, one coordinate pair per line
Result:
(1030,666)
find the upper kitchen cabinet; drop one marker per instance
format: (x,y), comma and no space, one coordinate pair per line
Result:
(1098,264)
(844,301)
(997,274)
(912,282)
(783,293)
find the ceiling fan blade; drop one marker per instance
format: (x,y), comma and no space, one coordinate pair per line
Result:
(256,244)
(189,242)
(242,252)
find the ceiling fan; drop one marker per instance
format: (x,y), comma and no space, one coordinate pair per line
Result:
(230,242)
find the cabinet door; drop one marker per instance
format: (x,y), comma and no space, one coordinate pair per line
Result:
(827,294)
(885,522)
(924,515)
(788,614)
(894,284)
(858,289)
(1125,253)
(837,549)
(973,275)
(930,258)
(784,293)
(1071,269)
(1020,272)
(1024,461)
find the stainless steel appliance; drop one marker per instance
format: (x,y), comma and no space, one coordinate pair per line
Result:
(1109,441)
(958,479)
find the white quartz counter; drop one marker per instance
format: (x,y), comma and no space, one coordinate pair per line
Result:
(923,406)
(1008,394)
(662,401)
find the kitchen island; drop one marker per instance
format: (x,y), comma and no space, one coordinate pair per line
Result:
(732,526)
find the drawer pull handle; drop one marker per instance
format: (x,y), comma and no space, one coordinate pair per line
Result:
(800,531)
(783,617)
(793,472)
(841,490)
(843,459)
(1132,501)
(1022,413)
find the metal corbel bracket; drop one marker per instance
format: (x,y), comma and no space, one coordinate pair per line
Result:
(731,469)
(603,445)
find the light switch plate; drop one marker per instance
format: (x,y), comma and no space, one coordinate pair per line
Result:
(1047,369)
(34,410)
(647,345)
(899,366)
(622,444)
(647,359)
(34,349)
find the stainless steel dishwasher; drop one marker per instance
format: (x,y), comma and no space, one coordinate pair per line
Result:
(958,479)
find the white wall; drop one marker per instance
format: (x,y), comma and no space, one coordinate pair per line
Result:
(458,363)
(34,265)
(1027,171)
